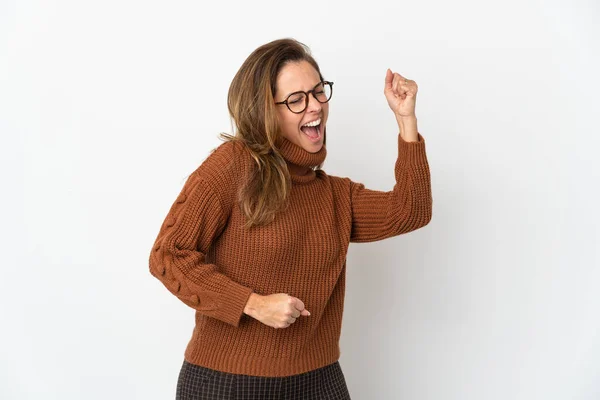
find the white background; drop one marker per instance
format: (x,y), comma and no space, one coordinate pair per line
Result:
(106,107)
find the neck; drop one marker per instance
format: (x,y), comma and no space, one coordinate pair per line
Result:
(299,161)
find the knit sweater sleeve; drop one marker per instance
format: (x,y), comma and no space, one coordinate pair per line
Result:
(378,215)
(194,221)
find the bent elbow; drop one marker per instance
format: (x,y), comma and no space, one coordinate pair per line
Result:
(428,214)
(157,269)
(425,214)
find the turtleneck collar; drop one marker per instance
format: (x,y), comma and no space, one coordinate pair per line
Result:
(294,154)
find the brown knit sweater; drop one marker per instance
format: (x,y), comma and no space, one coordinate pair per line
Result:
(203,255)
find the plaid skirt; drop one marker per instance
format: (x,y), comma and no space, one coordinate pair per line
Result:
(199,383)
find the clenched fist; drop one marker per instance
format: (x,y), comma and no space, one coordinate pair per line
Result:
(278,310)
(401,94)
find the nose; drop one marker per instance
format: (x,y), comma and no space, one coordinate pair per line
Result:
(313,104)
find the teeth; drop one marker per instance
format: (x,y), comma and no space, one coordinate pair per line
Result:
(313,123)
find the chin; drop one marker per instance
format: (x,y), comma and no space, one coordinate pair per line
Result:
(313,148)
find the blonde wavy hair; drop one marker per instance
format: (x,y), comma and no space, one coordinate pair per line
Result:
(251,106)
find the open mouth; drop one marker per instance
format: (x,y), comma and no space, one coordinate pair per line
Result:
(312,132)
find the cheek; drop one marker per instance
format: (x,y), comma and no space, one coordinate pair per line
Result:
(284,122)
(291,123)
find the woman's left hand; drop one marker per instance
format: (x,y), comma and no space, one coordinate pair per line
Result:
(401,94)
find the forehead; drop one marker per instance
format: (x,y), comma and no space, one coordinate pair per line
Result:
(297,76)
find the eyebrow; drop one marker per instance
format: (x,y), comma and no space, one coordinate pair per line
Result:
(296,91)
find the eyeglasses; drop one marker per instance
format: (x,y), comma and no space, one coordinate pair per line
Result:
(298,101)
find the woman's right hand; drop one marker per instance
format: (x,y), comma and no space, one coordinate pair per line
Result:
(278,310)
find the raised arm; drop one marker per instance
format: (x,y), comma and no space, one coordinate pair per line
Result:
(378,215)
(194,221)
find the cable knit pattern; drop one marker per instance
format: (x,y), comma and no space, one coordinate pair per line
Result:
(205,257)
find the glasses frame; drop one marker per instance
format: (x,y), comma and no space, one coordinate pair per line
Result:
(306,94)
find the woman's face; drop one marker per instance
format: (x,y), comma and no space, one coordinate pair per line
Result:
(295,76)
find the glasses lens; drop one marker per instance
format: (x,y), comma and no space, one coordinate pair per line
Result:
(297,102)
(323,92)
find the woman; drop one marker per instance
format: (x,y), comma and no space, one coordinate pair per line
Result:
(256,241)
